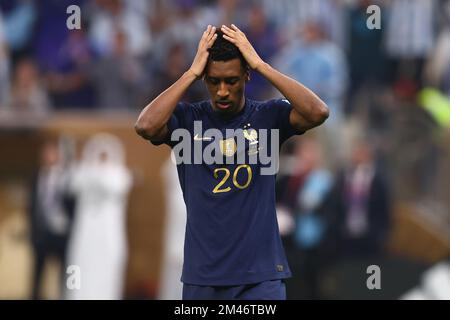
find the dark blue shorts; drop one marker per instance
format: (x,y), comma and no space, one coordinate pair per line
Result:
(267,290)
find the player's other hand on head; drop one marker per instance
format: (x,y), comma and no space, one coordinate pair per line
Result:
(239,39)
(201,58)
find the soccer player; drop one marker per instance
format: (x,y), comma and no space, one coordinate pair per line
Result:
(232,245)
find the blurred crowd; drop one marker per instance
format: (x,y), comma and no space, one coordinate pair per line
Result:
(127,51)
(388,90)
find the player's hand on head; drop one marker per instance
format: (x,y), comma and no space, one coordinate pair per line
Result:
(239,39)
(201,58)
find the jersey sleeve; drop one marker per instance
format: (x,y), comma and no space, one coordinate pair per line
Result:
(178,120)
(281,109)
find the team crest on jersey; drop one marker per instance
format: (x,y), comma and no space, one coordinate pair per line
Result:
(228,147)
(251,135)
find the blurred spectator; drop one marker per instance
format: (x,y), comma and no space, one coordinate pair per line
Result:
(311,221)
(437,71)
(364,46)
(185,28)
(361,202)
(116,77)
(321,66)
(438,66)
(50,213)
(289,15)
(318,64)
(311,195)
(51,33)
(4,67)
(227,12)
(175,63)
(58,52)
(414,145)
(129,16)
(161,12)
(98,244)
(28,97)
(264,39)
(191,19)
(231,11)
(20,17)
(410,37)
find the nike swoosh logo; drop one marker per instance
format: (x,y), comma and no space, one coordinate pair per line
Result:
(197,138)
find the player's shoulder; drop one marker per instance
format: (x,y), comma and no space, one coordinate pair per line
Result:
(268,104)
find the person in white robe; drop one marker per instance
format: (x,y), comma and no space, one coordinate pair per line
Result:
(98,246)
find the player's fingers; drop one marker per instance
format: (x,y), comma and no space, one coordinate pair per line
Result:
(232,40)
(236,34)
(212,40)
(229,33)
(210,43)
(238,31)
(204,39)
(227,30)
(206,32)
(211,34)
(233,27)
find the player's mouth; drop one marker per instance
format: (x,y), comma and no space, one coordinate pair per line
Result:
(223,105)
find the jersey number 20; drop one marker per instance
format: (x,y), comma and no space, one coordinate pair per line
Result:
(235,182)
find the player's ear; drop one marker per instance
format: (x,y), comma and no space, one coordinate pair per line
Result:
(247,75)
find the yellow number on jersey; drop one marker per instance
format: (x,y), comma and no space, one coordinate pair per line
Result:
(235,182)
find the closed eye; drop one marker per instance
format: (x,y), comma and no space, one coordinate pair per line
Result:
(231,80)
(213,81)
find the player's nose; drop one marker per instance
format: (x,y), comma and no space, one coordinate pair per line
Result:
(223,91)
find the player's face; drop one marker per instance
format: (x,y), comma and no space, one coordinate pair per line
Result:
(225,81)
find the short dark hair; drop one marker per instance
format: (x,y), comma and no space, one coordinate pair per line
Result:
(224,50)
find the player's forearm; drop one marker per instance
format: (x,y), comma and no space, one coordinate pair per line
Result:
(157,113)
(302,99)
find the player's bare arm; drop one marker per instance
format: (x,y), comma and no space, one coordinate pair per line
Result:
(152,122)
(308,110)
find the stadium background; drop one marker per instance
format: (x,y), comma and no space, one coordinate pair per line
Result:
(387,88)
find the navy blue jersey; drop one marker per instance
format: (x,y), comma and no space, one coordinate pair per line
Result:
(232,235)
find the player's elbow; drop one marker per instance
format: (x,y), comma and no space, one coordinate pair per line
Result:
(145,129)
(321,113)
(140,130)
